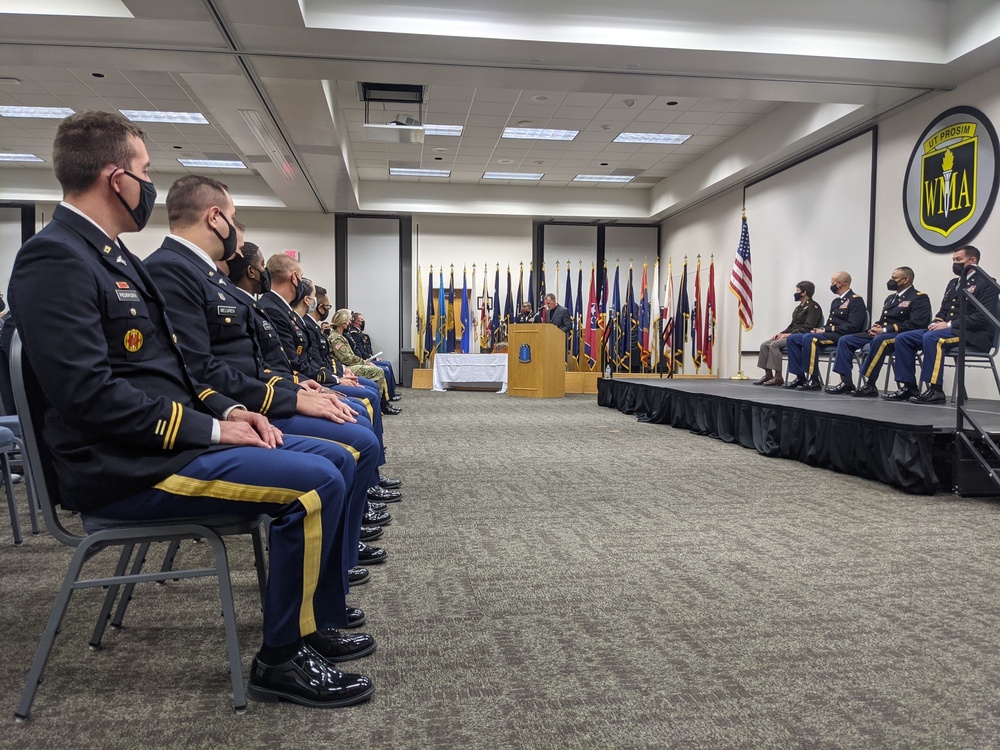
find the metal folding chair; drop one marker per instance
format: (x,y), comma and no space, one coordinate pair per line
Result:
(102,534)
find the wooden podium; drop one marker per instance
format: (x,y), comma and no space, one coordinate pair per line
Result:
(545,375)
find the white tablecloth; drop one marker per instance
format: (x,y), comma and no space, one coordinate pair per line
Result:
(470,369)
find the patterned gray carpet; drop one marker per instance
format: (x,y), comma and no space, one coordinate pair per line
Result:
(564,577)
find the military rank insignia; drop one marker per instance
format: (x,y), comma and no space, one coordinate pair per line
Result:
(133,340)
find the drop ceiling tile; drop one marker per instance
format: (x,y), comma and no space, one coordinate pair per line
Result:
(497,95)
(454,93)
(445,108)
(721,130)
(697,117)
(528,111)
(657,116)
(714,105)
(496,109)
(738,118)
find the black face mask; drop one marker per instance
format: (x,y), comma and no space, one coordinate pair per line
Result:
(238,266)
(957,268)
(147,199)
(892,285)
(229,241)
(833,288)
(325,314)
(798,296)
(265,281)
(362,326)
(300,292)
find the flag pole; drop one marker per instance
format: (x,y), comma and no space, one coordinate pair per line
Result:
(739,348)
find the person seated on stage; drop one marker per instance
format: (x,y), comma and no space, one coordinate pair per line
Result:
(805,317)
(340,351)
(905,309)
(133,435)
(942,335)
(847,315)
(526,314)
(554,313)
(361,343)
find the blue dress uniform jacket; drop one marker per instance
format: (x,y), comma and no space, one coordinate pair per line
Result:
(906,311)
(847,315)
(124,411)
(293,338)
(979,332)
(215,330)
(360,342)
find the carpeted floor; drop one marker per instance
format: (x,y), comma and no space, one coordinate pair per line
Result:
(561,576)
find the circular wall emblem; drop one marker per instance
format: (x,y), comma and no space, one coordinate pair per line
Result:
(951,179)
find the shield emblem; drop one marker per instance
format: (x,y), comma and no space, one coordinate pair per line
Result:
(524,354)
(948,178)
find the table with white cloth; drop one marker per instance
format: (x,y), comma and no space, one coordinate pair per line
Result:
(470,370)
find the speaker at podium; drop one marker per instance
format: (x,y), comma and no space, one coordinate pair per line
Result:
(536,361)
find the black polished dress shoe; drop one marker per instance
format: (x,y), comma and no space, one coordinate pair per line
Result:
(866,391)
(372,505)
(355,618)
(389,409)
(377,518)
(384,495)
(903,394)
(929,396)
(797,383)
(812,385)
(397,397)
(371,555)
(307,679)
(842,388)
(389,483)
(371,533)
(335,646)
(357,576)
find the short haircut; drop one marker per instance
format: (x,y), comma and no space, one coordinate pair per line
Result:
(808,287)
(320,291)
(87,142)
(844,277)
(341,317)
(251,251)
(308,287)
(282,266)
(240,225)
(552,297)
(971,251)
(355,315)
(907,272)
(190,196)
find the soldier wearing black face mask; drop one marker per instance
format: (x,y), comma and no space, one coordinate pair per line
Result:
(942,335)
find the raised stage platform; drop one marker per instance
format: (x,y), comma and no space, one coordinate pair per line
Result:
(910,446)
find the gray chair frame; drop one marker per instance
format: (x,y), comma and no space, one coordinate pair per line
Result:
(106,534)
(976,360)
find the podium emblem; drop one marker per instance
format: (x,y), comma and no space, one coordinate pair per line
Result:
(524,354)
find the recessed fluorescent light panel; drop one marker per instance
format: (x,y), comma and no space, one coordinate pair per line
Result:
(213,163)
(541,134)
(604,178)
(50,113)
(511,176)
(144,115)
(452,130)
(20,158)
(668,138)
(407,172)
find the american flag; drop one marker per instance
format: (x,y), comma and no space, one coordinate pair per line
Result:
(741,280)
